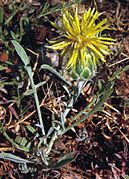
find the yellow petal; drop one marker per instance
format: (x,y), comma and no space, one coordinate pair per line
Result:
(99,45)
(101,23)
(103,40)
(84,19)
(96,51)
(73,59)
(95,31)
(97,28)
(67,25)
(95,58)
(95,16)
(106,42)
(106,38)
(76,19)
(89,18)
(82,55)
(56,26)
(60,45)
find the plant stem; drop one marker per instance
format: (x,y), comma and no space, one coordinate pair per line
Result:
(84,111)
(37,104)
(97,107)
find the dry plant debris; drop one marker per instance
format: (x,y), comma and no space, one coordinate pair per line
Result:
(54,124)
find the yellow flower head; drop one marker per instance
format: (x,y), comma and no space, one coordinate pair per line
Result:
(82,36)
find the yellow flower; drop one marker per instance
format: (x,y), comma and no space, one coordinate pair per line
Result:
(81,36)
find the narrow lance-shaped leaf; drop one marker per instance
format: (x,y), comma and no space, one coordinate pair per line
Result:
(105,95)
(1,15)
(65,159)
(25,59)
(13,158)
(21,52)
(52,70)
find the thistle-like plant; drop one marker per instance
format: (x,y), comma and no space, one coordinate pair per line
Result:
(81,36)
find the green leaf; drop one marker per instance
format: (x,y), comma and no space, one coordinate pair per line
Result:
(126,177)
(23,168)
(28,92)
(13,158)
(78,69)
(21,52)
(105,94)
(80,85)
(25,59)
(1,15)
(65,159)
(18,139)
(2,68)
(40,84)
(1,127)
(31,129)
(86,73)
(28,145)
(68,107)
(14,144)
(31,91)
(52,70)
(117,73)
(13,35)
(91,65)
(100,84)
(23,142)
(74,75)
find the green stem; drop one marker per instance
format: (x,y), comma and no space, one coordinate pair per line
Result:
(53,139)
(97,108)
(84,111)
(37,104)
